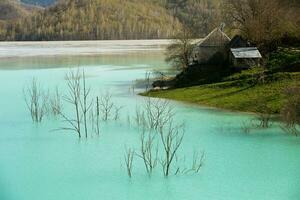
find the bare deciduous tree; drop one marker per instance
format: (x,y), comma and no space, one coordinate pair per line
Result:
(264,114)
(106,105)
(264,120)
(260,21)
(246,126)
(128,157)
(73,98)
(95,117)
(156,120)
(128,120)
(55,102)
(171,138)
(78,97)
(84,104)
(198,160)
(147,78)
(140,118)
(180,51)
(36,100)
(117,111)
(157,113)
(148,151)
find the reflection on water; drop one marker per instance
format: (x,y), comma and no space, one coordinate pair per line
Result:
(129,61)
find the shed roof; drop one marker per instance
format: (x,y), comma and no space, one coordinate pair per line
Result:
(215,39)
(248,52)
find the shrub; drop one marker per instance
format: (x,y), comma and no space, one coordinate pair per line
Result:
(290,112)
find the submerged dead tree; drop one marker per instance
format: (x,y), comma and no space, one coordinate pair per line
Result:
(73,98)
(171,138)
(36,100)
(106,105)
(148,151)
(117,112)
(84,103)
(128,157)
(156,119)
(197,163)
(161,139)
(157,113)
(55,102)
(95,117)
(78,98)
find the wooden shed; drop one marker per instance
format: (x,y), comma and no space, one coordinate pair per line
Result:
(245,57)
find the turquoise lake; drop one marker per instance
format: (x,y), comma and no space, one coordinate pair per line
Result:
(37,162)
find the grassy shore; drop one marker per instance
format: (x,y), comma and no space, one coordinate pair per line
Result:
(237,93)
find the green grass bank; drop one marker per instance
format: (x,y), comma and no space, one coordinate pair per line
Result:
(235,95)
(258,90)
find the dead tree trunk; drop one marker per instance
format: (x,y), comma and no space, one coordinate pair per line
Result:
(73,97)
(36,100)
(84,104)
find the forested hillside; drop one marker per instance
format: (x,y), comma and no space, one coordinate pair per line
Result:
(114,19)
(140,19)
(199,16)
(95,19)
(12,9)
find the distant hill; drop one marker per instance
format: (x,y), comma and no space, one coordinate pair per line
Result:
(95,19)
(14,9)
(117,19)
(39,2)
(106,19)
(11,9)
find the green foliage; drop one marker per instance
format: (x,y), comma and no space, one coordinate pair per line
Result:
(245,74)
(230,95)
(259,89)
(200,74)
(283,59)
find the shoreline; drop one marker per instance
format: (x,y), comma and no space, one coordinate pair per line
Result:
(203,105)
(257,99)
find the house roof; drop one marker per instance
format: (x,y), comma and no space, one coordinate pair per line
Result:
(238,42)
(248,52)
(215,39)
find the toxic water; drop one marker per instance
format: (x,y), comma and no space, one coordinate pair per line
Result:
(39,162)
